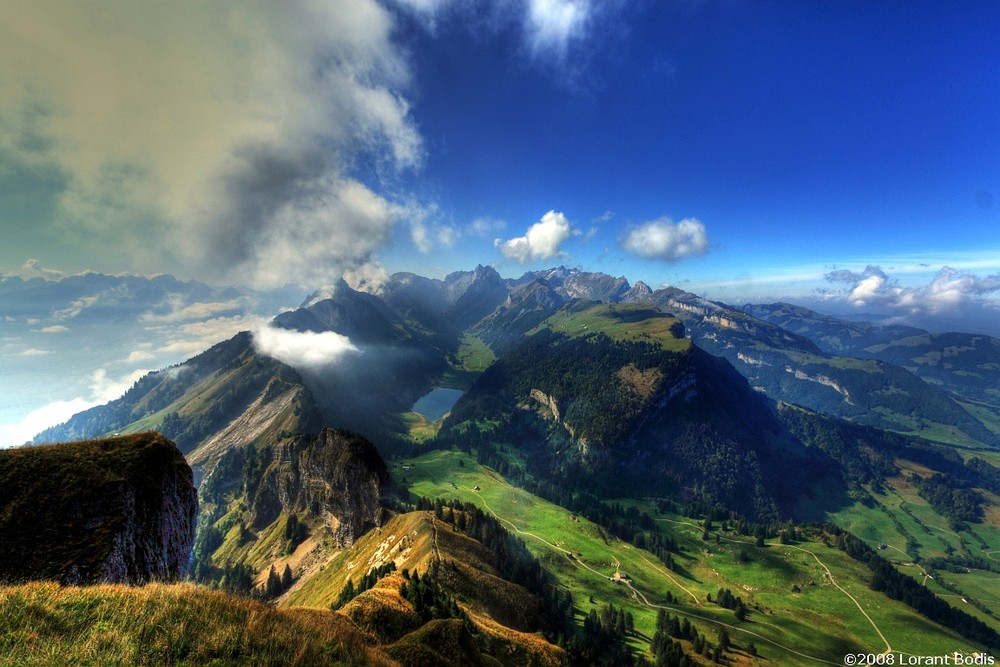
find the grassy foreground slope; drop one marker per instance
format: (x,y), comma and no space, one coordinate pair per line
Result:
(44,624)
(809,602)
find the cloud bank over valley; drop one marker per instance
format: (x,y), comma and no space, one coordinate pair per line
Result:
(82,340)
(302,349)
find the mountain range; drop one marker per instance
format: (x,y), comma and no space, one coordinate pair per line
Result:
(639,410)
(939,386)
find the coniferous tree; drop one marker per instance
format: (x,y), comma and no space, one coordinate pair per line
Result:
(272,588)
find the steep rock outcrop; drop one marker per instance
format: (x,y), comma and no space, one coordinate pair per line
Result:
(116,510)
(335,475)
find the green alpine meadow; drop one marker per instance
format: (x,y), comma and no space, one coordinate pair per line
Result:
(502,333)
(590,485)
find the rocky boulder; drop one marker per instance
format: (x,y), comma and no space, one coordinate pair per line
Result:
(118,510)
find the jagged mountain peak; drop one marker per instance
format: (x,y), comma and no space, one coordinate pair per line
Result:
(640,291)
(458,283)
(577,284)
(358,315)
(334,291)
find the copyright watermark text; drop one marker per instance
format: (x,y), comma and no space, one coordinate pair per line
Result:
(906,659)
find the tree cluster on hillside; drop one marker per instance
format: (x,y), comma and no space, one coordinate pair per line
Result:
(295,534)
(864,453)
(599,406)
(237,580)
(727,599)
(429,600)
(951,498)
(277,584)
(989,475)
(670,653)
(604,641)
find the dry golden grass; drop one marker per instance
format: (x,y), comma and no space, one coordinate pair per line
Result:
(644,383)
(383,611)
(912,467)
(500,611)
(176,624)
(440,643)
(406,540)
(991,509)
(511,647)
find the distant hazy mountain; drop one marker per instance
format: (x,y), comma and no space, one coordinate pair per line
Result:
(791,367)
(409,335)
(832,335)
(968,365)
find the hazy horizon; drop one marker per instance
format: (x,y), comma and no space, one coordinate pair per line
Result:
(839,159)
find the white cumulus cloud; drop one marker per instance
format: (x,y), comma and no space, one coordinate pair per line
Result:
(949,291)
(104,388)
(139,356)
(34,269)
(666,240)
(300,349)
(175,310)
(553,24)
(542,241)
(369,277)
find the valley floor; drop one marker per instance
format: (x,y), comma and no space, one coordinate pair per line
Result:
(809,602)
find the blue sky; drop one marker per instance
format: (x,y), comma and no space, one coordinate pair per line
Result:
(263,144)
(801,136)
(841,155)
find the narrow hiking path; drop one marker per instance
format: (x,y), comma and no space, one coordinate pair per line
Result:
(642,597)
(662,570)
(829,576)
(434,538)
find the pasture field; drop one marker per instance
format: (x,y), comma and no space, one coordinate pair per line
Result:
(808,601)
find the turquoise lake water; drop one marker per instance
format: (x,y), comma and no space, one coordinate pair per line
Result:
(437,403)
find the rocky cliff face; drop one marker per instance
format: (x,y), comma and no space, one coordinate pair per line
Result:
(336,475)
(116,510)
